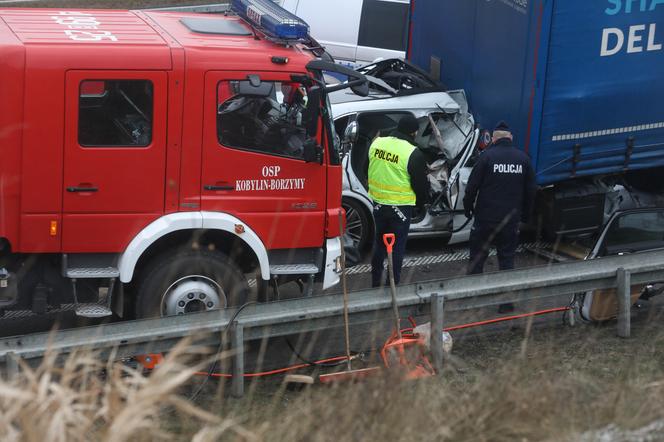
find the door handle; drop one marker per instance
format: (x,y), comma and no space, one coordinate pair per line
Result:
(211,187)
(82,189)
(216,187)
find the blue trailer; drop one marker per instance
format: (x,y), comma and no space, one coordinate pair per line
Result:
(581,82)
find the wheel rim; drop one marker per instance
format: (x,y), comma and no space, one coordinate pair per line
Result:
(194,293)
(354,227)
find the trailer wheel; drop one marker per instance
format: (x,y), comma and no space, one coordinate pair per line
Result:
(193,281)
(359,224)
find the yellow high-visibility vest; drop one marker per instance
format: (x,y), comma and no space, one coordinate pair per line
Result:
(389,180)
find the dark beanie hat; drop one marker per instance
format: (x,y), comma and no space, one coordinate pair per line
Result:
(408,125)
(502,126)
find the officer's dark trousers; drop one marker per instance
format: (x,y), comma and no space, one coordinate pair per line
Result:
(504,236)
(388,220)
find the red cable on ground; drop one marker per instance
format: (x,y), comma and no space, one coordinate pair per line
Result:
(405,330)
(496,320)
(507,318)
(272,372)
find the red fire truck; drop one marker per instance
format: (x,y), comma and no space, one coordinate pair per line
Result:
(155,159)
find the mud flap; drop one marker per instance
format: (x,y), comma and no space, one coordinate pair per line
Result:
(353,255)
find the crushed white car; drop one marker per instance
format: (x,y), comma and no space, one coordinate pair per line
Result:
(448,136)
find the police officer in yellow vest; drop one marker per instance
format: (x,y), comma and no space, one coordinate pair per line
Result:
(397,183)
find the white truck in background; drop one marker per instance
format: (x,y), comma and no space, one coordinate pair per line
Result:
(356,32)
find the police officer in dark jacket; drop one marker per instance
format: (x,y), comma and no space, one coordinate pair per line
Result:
(500,193)
(397,173)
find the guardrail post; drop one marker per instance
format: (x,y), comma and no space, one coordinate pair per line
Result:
(437,313)
(623,293)
(237,344)
(11,366)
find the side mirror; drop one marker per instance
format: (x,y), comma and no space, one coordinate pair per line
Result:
(351,133)
(311,113)
(350,137)
(360,89)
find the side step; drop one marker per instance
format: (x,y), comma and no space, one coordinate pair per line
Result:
(308,269)
(93,272)
(93,311)
(294,269)
(88,266)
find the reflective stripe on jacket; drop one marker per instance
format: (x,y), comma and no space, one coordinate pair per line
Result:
(389,180)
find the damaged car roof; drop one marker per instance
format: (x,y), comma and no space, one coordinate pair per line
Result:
(408,102)
(395,84)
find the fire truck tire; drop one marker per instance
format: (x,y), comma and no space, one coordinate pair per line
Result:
(196,280)
(359,224)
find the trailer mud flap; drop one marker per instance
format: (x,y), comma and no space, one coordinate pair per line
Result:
(572,211)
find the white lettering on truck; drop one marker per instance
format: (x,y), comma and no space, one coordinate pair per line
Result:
(636,38)
(613,40)
(264,185)
(271,184)
(254,14)
(82,26)
(269,171)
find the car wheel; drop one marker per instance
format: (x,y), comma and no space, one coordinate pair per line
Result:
(359,225)
(193,281)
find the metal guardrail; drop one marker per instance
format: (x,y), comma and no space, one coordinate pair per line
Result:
(317,313)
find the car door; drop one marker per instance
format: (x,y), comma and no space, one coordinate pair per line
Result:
(631,231)
(450,138)
(253,161)
(115,155)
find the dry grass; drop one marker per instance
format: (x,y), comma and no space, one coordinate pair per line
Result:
(83,399)
(549,383)
(556,384)
(507,404)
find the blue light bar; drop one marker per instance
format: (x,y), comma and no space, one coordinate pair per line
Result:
(271,19)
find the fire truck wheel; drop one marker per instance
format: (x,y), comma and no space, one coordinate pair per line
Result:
(358,224)
(197,280)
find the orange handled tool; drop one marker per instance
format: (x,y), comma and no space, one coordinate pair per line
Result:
(389,239)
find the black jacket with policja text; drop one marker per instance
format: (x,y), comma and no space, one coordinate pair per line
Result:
(503,182)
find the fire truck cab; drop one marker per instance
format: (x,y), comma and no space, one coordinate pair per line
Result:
(158,158)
